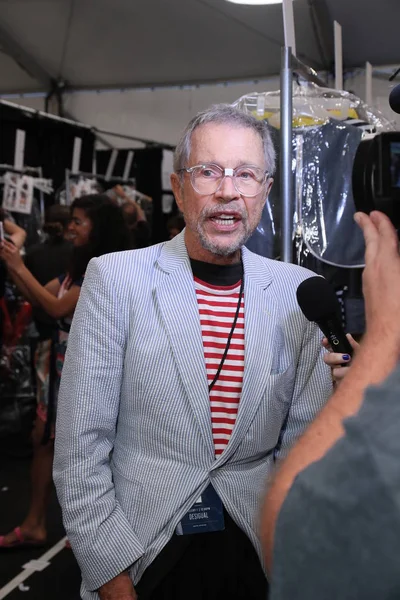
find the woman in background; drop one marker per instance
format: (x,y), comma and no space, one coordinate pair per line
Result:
(16,235)
(97,227)
(47,259)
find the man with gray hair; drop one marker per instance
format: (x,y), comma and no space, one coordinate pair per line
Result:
(190,371)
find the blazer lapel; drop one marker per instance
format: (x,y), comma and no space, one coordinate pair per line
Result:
(177,301)
(260,318)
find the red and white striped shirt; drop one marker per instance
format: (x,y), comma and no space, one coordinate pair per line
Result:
(217,308)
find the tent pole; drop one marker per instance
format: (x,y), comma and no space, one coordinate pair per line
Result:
(286,156)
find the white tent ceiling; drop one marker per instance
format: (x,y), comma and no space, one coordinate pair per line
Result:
(97,44)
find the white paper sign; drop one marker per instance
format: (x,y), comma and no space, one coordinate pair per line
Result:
(82,187)
(18,193)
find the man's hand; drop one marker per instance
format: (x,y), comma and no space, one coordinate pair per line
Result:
(119,588)
(381,277)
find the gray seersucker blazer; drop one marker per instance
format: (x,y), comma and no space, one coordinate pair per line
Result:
(134,446)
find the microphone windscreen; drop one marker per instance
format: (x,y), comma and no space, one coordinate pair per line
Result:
(317,299)
(394,99)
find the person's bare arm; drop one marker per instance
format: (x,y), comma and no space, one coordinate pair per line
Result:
(55,307)
(16,233)
(23,289)
(52,287)
(368,368)
(119,588)
(377,357)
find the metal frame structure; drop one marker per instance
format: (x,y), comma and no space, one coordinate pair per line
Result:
(96,177)
(289,64)
(98,132)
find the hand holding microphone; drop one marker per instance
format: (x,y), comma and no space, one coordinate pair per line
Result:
(319,303)
(381,285)
(336,361)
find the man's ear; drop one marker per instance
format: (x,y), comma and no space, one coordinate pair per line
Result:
(269,186)
(177,188)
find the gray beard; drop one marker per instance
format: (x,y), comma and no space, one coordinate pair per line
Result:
(225,251)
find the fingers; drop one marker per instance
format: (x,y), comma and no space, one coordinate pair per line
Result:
(337,363)
(386,230)
(371,234)
(377,229)
(6,245)
(355,345)
(352,341)
(325,343)
(367,225)
(8,250)
(381,221)
(339,374)
(334,359)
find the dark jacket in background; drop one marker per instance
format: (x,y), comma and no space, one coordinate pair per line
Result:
(46,261)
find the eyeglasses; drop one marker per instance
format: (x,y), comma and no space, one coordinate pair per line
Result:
(207,178)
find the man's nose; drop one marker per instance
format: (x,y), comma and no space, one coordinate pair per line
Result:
(227,190)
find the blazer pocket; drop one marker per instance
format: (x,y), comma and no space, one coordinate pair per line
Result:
(281,359)
(279,368)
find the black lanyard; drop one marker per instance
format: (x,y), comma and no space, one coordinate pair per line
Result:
(228,343)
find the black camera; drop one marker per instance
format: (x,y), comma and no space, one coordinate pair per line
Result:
(376,175)
(376,171)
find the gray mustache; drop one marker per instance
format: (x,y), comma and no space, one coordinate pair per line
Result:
(222,208)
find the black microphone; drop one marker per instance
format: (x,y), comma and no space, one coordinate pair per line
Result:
(394,99)
(319,303)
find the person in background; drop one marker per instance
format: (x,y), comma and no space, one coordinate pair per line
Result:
(16,235)
(48,259)
(331,520)
(96,227)
(139,229)
(190,370)
(175,225)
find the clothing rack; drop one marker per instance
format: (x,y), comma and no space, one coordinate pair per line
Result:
(102,179)
(37,170)
(99,178)
(28,170)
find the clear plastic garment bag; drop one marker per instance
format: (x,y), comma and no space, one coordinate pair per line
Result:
(328,127)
